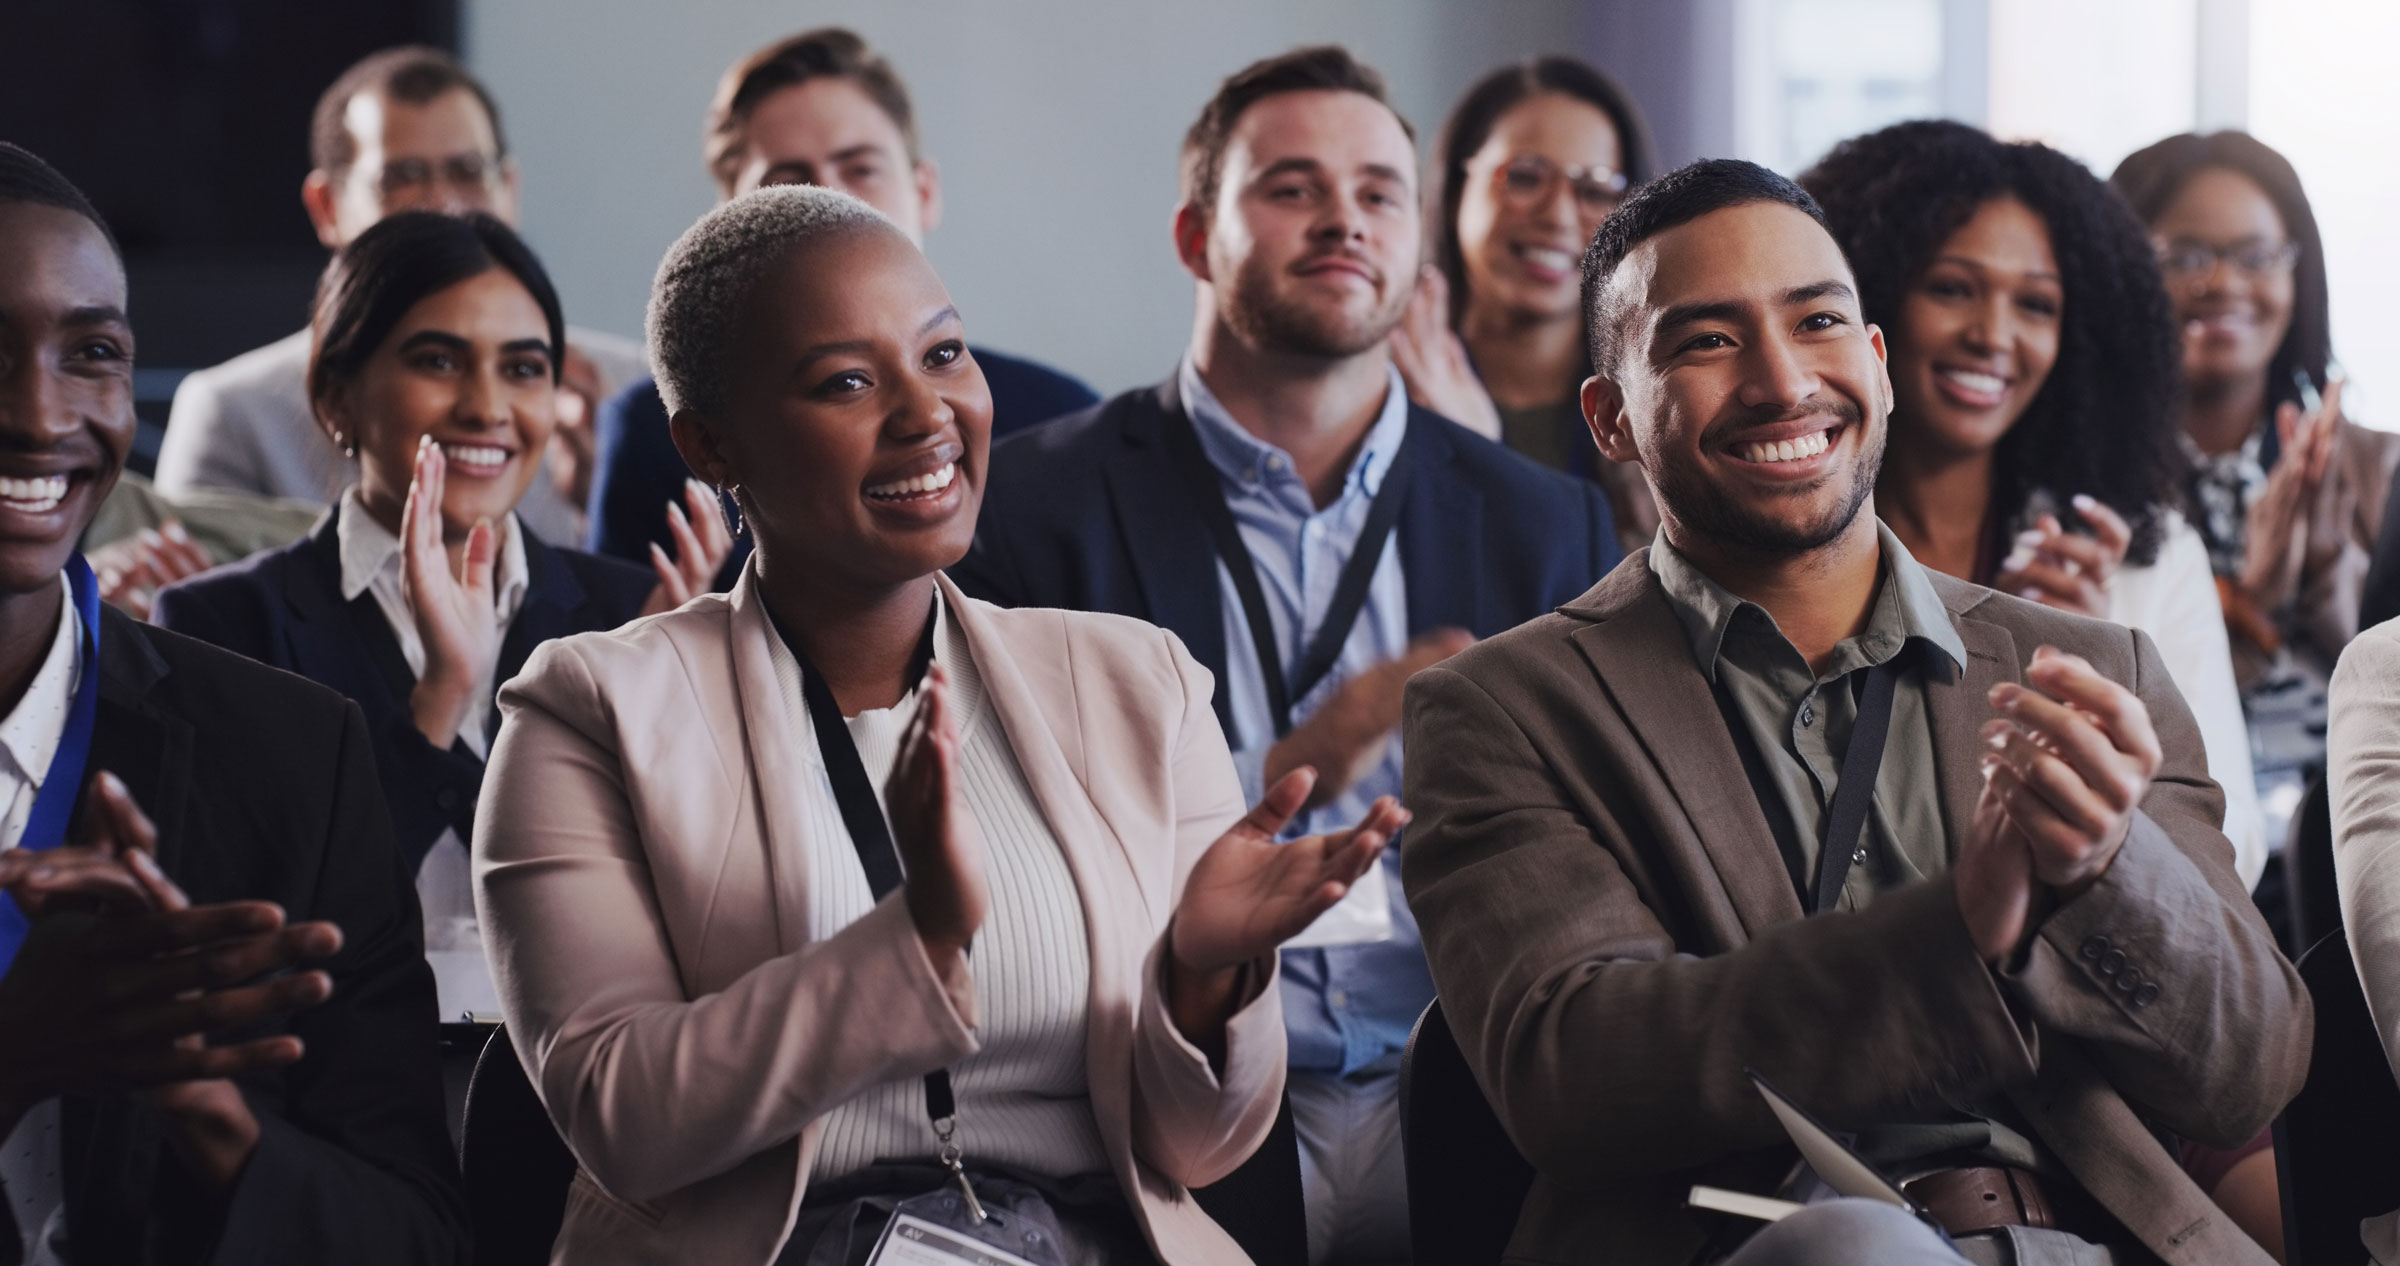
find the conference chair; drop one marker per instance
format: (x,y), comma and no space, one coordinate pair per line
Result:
(1260,1204)
(515,1166)
(1466,1180)
(2334,1153)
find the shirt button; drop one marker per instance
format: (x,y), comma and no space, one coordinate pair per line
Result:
(1340,1000)
(1808,715)
(1276,463)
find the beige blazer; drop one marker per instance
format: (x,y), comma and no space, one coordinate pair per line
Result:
(639,875)
(1616,938)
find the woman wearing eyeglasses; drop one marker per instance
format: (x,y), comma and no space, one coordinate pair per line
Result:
(1533,158)
(2288,494)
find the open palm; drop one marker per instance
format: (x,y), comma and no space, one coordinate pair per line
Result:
(1249,894)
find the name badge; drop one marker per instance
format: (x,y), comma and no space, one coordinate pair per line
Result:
(937,1229)
(1362,917)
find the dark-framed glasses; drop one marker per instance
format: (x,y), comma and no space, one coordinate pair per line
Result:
(2186,259)
(402,178)
(1528,180)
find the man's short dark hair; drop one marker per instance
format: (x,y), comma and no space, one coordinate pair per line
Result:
(829,52)
(24,177)
(1677,198)
(1318,68)
(413,73)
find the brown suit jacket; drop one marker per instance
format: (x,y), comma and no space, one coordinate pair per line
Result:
(1616,937)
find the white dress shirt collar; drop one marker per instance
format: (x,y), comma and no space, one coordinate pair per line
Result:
(30,734)
(371,553)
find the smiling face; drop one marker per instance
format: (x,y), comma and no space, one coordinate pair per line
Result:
(469,365)
(66,387)
(1978,332)
(1312,245)
(2233,317)
(1522,224)
(1748,385)
(827,131)
(857,420)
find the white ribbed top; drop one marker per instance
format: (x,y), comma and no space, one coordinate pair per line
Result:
(1022,1099)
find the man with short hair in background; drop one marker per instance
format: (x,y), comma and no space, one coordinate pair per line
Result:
(1312,537)
(405,129)
(818,108)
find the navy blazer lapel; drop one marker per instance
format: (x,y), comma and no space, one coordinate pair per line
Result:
(345,645)
(1644,659)
(553,600)
(1163,539)
(149,751)
(1440,536)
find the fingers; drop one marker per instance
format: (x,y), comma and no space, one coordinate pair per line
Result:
(2072,680)
(230,963)
(2108,527)
(478,561)
(2058,852)
(2041,579)
(2040,771)
(208,1063)
(224,1009)
(671,592)
(1275,810)
(2073,737)
(177,555)
(2287,425)
(57,879)
(177,930)
(691,556)
(715,542)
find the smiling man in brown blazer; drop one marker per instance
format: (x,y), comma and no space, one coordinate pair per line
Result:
(2033,967)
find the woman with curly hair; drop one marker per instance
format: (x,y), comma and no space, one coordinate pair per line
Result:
(1532,159)
(2033,375)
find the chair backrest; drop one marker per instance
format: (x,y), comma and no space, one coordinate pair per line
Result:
(2315,904)
(2334,1156)
(515,1166)
(1261,1204)
(1466,1180)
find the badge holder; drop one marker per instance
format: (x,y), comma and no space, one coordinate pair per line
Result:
(949,1226)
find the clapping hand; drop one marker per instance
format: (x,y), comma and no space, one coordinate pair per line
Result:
(2067,570)
(133,570)
(2273,532)
(701,547)
(1433,362)
(2067,762)
(1248,894)
(121,978)
(1345,738)
(455,615)
(940,849)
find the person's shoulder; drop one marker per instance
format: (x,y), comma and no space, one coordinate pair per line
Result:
(2031,625)
(1091,645)
(1026,392)
(620,360)
(1040,463)
(257,576)
(218,692)
(1491,464)
(637,398)
(278,368)
(619,586)
(693,632)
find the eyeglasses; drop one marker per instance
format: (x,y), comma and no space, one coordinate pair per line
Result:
(2188,260)
(1529,180)
(467,173)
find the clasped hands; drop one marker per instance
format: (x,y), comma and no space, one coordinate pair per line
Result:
(1244,898)
(121,979)
(2066,763)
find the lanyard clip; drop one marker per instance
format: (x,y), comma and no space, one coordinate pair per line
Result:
(953,1159)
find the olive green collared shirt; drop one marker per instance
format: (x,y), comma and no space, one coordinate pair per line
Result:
(1795,727)
(1797,722)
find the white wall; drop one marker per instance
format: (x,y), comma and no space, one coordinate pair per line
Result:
(1055,123)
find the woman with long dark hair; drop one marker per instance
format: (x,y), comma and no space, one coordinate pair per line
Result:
(1532,159)
(438,351)
(2033,375)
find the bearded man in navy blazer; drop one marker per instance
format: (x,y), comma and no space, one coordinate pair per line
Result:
(1312,537)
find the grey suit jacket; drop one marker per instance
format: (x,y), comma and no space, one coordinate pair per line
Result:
(1616,938)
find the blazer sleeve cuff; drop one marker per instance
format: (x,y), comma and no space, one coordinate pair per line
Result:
(2100,962)
(1194,1122)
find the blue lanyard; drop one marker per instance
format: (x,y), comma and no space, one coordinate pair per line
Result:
(54,804)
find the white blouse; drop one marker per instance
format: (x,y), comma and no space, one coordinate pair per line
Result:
(1023,1099)
(2174,600)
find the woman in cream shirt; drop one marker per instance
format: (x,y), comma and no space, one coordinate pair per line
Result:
(730,1030)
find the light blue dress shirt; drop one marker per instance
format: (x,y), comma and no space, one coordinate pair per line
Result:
(1345,1007)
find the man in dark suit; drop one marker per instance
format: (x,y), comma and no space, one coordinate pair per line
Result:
(216,1031)
(2032,966)
(1311,536)
(818,108)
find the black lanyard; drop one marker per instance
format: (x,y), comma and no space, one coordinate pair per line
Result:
(1862,763)
(862,813)
(1349,592)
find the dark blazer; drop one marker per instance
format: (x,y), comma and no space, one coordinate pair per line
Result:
(638,471)
(263,788)
(1088,513)
(1617,938)
(285,609)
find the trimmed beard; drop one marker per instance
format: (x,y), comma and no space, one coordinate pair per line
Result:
(1708,513)
(1265,319)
